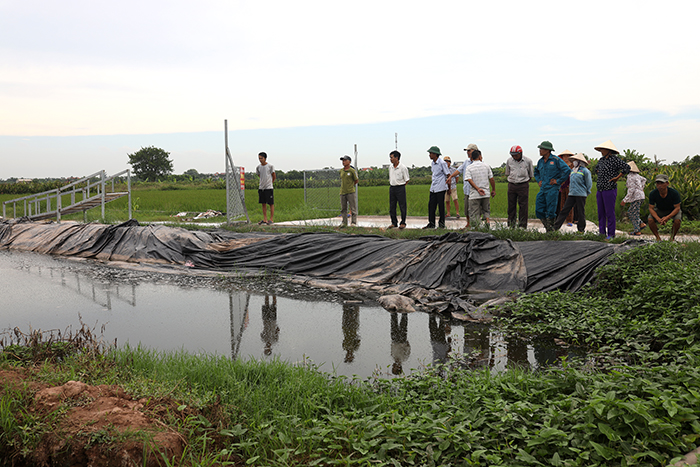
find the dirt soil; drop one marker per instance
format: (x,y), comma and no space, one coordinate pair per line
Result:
(87,425)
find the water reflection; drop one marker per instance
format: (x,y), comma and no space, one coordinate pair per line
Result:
(42,292)
(440,338)
(351,330)
(400,347)
(271,332)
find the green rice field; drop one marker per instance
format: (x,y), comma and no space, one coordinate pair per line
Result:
(162,205)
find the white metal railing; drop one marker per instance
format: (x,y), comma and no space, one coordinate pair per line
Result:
(50,203)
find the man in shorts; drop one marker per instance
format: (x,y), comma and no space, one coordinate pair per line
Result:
(664,205)
(266,197)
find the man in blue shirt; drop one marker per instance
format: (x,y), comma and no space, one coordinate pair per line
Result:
(550,173)
(438,188)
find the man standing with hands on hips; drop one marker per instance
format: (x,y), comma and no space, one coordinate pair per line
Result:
(550,173)
(519,172)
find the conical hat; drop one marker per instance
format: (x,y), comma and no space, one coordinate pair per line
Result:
(633,167)
(566,152)
(607,145)
(579,157)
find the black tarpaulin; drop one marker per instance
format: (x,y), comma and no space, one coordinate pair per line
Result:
(454,263)
(563,265)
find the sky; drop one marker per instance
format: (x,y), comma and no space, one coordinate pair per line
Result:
(85,83)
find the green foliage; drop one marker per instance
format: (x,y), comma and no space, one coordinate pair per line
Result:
(642,161)
(30,188)
(151,163)
(643,306)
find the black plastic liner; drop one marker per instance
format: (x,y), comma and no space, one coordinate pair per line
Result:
(453,264)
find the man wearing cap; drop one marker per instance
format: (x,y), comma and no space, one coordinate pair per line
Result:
(471,147)
(348,180)
(664,205)
(438,188)
(550,173)
(519,172)
(609,170)
(451,194)
(398,177)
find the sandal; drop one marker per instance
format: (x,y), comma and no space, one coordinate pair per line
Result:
(636,234)
(262,223)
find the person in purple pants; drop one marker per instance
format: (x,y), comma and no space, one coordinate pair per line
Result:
(609,170)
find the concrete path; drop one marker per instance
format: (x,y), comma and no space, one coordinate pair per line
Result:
(452,223)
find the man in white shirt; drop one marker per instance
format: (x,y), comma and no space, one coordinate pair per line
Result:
(479,176)
(398,177)
(467,187)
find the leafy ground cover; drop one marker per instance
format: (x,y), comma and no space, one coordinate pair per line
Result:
(634,399)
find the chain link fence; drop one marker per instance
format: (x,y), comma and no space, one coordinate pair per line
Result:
(321,189)
(235,194)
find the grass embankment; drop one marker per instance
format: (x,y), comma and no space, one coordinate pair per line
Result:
(635,400)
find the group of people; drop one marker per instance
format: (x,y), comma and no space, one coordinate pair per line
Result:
(564,182)
(564,185)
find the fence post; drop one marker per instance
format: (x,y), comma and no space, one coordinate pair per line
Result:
(58,205)
(102,186)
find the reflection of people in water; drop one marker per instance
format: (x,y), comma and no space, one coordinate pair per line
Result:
(440,337)
(351,330)
(476,344)
(271,332)
(400,348)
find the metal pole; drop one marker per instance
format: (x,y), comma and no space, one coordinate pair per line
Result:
(128,187)
(396,141)
(59,205)
(102,176)
(227,171)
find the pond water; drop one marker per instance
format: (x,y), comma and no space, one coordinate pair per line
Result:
(342,337)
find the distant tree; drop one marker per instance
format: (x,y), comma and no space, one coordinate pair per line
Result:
(151,163)
(690,162)
(191,172)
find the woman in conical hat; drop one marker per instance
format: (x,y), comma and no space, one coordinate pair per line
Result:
(635,196)
(609,170)
(580,185)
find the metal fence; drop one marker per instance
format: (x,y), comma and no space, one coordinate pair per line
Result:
(235,194)
(321,189)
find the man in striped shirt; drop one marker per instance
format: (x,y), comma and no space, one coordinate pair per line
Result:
(479,176)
